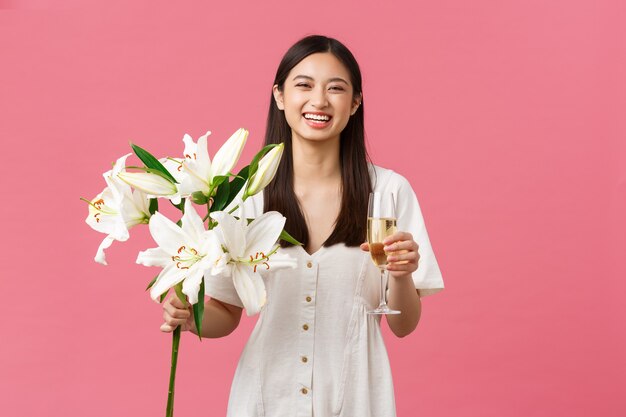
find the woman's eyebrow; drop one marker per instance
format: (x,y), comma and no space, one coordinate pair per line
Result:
(329,80)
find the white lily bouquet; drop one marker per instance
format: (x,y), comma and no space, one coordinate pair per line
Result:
(229,247)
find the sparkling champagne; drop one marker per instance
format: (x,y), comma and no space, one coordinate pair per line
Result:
(377,230)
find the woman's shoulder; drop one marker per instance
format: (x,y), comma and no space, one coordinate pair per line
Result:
(385,178)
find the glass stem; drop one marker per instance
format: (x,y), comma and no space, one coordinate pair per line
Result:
(383,285)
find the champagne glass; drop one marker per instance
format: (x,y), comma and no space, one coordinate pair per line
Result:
(381,222)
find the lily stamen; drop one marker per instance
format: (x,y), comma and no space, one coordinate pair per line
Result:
(186,261)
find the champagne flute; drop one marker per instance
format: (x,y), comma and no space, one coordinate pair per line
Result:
(381,222)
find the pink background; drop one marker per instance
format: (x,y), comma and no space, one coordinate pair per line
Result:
(506,116)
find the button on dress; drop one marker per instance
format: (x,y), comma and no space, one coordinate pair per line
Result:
(314,350)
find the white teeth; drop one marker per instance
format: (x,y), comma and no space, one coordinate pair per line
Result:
(316,117)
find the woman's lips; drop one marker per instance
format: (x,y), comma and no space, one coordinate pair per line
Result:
(317,124)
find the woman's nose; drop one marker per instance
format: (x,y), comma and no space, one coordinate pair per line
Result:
(318,98)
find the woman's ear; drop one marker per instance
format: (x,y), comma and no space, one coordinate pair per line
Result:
(356,102)
(278,97)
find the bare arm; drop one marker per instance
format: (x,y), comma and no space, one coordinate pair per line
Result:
(404,297)
(220,319)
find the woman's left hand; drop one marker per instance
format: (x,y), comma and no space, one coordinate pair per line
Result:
(402,254)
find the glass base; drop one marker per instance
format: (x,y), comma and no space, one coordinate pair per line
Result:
(383,310)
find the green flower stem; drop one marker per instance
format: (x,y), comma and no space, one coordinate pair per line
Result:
(169,411)
(208,211)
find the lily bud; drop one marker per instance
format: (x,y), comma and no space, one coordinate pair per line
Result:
(228,155)
(265,171)
(149,183)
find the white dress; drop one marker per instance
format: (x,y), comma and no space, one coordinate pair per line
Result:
(314,351)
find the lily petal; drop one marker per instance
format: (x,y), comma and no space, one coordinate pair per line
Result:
(228,154)
(192,224)
(264,231)
(268,165)
(191,147)
(154,257)
(107,218)
(166,233)
(149,183)
(191,285)
(250,288)
(217,260)
(203,161)
(232,232)
(169,276)
(100,257)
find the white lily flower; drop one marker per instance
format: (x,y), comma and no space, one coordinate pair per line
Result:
(247,246)
(202,171)
(185,253)
(116,209)
(227,156)
(174,166)
(149,183)
(266,171)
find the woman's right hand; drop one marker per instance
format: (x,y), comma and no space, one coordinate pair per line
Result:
(176,314)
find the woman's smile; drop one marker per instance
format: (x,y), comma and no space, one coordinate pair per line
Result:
(317,120)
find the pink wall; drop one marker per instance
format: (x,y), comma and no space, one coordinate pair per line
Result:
(507,117)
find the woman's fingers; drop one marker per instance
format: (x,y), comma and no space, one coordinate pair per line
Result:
(166,328)
(403,257)
(176,302)
(397,236)
(365,246)
(409,245)
(175,314)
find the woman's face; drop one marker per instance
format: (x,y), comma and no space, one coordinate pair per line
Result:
(319,87)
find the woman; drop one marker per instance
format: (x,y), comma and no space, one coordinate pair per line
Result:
(315,350)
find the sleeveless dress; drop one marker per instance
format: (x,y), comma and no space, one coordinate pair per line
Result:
(314,351)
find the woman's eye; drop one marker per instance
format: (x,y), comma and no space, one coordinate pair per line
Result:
(337,88)
(302,85)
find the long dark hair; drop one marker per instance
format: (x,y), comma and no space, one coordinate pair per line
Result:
(279,195)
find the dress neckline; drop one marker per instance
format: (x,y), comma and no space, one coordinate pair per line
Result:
(314,254)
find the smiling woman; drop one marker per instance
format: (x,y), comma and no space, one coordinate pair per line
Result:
(315,349)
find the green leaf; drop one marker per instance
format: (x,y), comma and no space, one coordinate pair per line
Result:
(237,175)
(154,206)
(151,162)
(288,238)
(162,297)
(221,196)
(198,309)
(179,292)
(218,179)
(237,183)
(152,282)
(159,173)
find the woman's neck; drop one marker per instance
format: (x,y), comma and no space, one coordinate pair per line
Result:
(315,161)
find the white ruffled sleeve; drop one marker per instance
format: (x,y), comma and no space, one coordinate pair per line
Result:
(427,278)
